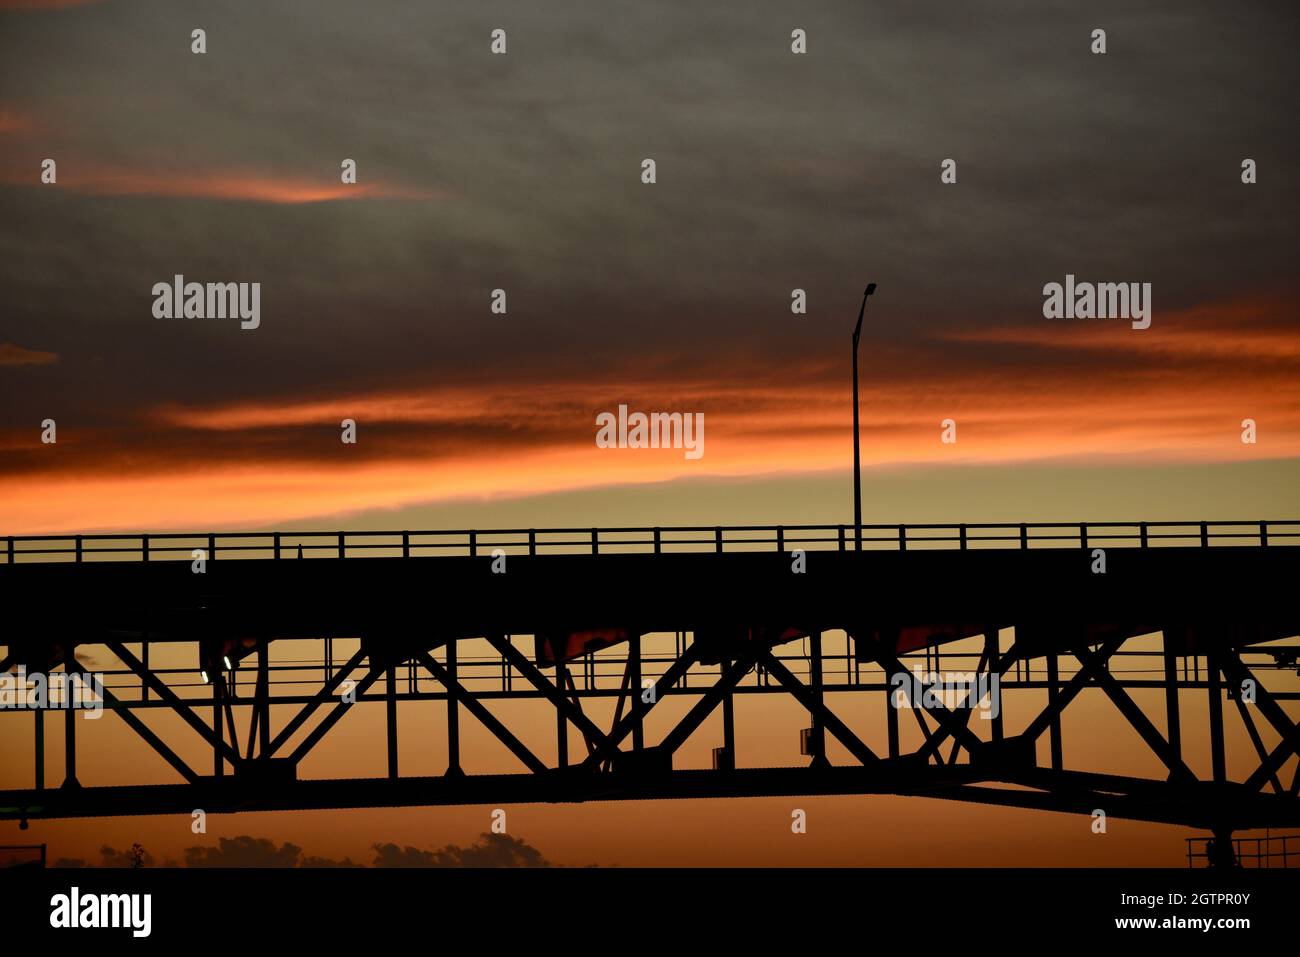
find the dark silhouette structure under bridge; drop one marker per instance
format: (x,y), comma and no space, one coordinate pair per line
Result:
(1041,615)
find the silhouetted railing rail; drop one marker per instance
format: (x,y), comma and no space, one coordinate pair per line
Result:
(1271,850)
(656,540)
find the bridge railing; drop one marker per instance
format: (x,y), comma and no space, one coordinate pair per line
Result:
(656,540)
(1270,850)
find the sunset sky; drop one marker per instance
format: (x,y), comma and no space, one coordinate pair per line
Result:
(522,172)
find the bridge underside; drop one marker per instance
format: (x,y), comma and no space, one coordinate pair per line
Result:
(1041,623)
(1204,806)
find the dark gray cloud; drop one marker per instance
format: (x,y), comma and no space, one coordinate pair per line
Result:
(775,171)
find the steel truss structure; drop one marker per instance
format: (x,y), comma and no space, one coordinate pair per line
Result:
(748,621)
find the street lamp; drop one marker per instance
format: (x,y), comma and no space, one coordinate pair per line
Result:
(857,442)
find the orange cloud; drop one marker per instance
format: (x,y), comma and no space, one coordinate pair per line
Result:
(232,186)
(1234,330)
(235,186)
(13,122)
(1172,393)
(12,355)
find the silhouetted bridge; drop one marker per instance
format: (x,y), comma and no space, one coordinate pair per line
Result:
(834,617)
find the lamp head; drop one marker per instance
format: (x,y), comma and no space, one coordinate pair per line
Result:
(857,330)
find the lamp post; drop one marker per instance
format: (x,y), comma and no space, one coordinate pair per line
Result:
(857,442)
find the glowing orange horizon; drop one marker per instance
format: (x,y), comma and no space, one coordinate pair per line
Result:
(417,444)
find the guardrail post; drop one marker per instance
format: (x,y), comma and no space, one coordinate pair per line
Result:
(962,530)
(595,542)
(902,538)
(717,537)
(212,548)
(406,544)
(657,548)
(78,548)
(780,538)
(841,538)
(144,547)
(11,549)
(1205,535)
(1024,535)
(473,543)
(1263,533)
(1083,534)
(1143,529)
(342,549)
(277,545)
(532,541)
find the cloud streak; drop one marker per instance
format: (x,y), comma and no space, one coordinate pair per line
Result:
(232,186)
(1087,392)
(15,355)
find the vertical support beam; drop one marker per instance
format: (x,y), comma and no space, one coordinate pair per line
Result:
(144,659)
(39,714)
(1172,725)
(218,732)
(561,722)
(1223,855)
(818,729)
(453,714)
(70,716)
(638,728)
(729,731)
(70,746)
(264,698)
(390,706)
(891,714)
(993,652)
(1053,683)
(1213,679)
